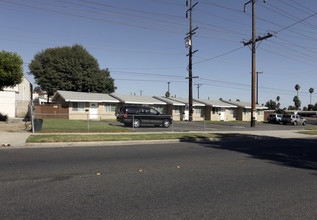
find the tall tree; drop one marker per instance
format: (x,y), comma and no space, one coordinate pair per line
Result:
(297,87)
(297,102)
(71,69)
(311,91)
(11,70)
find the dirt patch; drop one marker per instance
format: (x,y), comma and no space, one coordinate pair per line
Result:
(15,126)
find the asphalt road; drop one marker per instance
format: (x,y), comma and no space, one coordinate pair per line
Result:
(254,179)
(220,126)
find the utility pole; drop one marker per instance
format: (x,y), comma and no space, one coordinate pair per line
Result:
(257,86)
(168,86)
(189,44)
(253,42)
(198,86)
(141,92)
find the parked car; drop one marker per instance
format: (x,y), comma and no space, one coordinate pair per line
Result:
(141,115)
(274,118)
(293,119)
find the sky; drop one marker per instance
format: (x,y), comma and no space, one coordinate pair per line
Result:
(142,43)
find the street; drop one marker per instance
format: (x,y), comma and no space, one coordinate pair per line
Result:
(269,178)
(184,126)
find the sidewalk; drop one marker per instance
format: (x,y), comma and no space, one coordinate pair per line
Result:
(18,139)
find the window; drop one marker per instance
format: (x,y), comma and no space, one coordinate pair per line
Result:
(197,110)
(178,109)
(78,107)
(231,112)
(215,110)
(110,108)
(159,108)
(260,112)
(247,111)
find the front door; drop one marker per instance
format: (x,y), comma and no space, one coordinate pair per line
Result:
(222,114)
(93,110)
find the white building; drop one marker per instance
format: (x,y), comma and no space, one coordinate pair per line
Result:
(14,101)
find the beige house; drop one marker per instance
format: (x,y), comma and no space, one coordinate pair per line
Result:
(178,108)
(14,101)
(243,111)
(140,100)
(217,110)
(83,106)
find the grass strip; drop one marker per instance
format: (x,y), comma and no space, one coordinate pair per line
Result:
(69,126)
(310,132)
(108,137)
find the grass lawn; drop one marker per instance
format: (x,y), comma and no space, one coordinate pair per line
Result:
(113,137)
(65,125)
(311,131)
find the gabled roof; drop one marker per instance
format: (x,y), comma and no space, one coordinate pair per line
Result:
(169,101)
(70,96)
(142,100)
(216,103)
(178,101)
(246,105)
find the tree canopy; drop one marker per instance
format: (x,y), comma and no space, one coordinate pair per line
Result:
(11,70)
(70,68)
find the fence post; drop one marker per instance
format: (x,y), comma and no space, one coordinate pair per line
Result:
(88,121)
(32,118)
(204,123)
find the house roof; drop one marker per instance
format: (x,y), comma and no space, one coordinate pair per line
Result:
(216,103)
(243,104)
(178,101)
(185,101)
(169,101)
(133,99)
(70,96)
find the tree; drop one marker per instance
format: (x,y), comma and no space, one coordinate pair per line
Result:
(11,70)
(297,87)
(271,105)
(278,99)
(297,102)
(71,69)
(311,91)
(37,89)
(167,94)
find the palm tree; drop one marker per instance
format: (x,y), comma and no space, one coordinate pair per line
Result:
(297,87)
(311,91)
(278,101)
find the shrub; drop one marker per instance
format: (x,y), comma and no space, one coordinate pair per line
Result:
(3,117)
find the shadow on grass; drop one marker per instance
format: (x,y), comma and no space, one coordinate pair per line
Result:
(299,153)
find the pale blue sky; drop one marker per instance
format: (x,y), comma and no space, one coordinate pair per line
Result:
(142,43)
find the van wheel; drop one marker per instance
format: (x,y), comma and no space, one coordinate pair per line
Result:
(304,123)
(295,123)
(136,123)
(166,123)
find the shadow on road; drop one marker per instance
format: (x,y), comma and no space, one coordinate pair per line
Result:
(299,153)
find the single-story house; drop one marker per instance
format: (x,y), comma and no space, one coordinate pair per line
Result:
(14,101)
(178,108)
(243,111)
(83,105)
(140,100)
(217,110)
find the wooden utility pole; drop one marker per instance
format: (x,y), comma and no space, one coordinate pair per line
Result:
(198,86)
(253,42)
(189,44)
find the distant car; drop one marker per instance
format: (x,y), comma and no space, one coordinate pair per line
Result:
(141,115)
(293,119)
(274,118)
